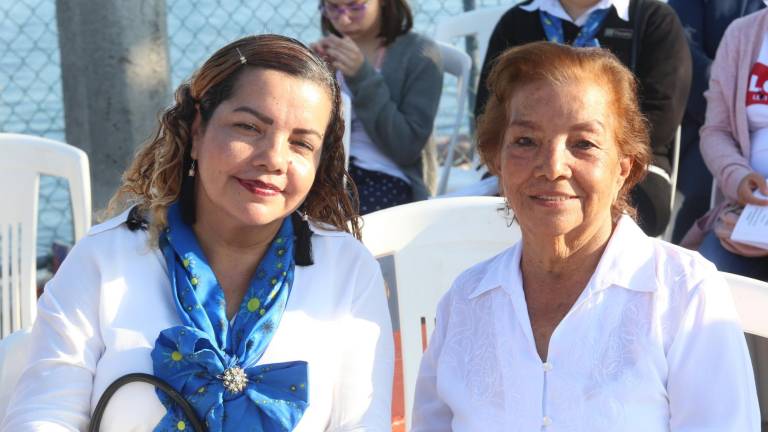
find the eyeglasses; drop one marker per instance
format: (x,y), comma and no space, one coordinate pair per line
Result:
(354,9)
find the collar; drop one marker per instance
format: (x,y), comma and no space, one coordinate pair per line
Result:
(553,7)
(627,262)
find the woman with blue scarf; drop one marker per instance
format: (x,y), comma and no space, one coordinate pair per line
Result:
(233,273)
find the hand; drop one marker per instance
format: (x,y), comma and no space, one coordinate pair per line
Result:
(342,53)
(747,186)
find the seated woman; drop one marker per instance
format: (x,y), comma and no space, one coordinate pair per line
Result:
(233,273)
(587,324)
(394,78)
(734,143)
(647,37)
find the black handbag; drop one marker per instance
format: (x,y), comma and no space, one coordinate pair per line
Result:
(189,412)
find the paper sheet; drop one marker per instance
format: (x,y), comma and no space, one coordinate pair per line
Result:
(752,226)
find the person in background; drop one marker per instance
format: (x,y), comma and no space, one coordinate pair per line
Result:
(705,22)
(586,324)
(734,146)
(394,78)
(233,273)
(648,38)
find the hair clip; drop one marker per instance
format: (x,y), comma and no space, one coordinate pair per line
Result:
(242,57)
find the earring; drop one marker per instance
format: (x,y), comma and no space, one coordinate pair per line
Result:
(191,172)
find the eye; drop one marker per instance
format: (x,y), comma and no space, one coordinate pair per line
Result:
(585,145)
(248,127)
(304,144)
(523,142)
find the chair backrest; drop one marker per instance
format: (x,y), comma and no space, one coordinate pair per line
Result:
(14,350)
(24,159)
(422,247)
(751,298)
(675,165)
(346,104)
(479,23)
(457,63)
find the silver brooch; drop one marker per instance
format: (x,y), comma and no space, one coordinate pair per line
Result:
(234,379)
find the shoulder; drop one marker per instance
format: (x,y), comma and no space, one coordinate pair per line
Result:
(747,26)
(658,16)
(339,250)
(416,47)
(114,232)
(683,277)
(481,277)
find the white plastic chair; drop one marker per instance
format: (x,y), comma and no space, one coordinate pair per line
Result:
(346,104)
(429,243)
(478,23)
(14,350)
(24,159)
(751,298)
(457,63)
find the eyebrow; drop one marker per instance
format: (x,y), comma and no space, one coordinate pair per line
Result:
(261,116)
(523,123)
(589,125)
(268,120)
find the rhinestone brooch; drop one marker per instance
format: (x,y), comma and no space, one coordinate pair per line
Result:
(234,379)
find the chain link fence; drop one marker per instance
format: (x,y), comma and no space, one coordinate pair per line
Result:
(197,28)
(31,103)
(30,74)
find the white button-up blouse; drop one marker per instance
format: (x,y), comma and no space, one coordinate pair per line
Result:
(652,344)
(101,313)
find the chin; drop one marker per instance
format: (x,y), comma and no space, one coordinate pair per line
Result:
(257,215)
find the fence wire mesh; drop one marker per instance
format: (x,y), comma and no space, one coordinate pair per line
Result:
(30,73)
(197,28)
(31,102)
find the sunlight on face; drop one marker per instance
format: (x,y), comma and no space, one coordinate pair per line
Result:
(559,162)
(258,154)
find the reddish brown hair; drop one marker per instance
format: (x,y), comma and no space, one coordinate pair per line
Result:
(560,64)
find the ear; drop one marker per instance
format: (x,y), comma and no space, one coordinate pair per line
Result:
(625,167)
(196,131)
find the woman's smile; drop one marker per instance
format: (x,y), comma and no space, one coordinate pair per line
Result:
(259,188)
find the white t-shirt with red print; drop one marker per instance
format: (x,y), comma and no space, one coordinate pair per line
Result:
(757,111)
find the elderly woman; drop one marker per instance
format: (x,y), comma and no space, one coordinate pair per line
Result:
(587,324)
(232,274)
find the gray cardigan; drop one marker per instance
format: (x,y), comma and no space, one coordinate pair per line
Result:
(397,107)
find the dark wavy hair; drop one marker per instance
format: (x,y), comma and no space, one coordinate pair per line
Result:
(156,178)
(396,20)
(558,64)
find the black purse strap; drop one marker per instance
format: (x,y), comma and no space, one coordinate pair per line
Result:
(178,399)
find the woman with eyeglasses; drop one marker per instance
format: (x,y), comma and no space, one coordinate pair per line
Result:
(394,78)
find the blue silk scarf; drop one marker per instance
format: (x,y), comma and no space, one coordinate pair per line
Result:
(211,361)
(553,28)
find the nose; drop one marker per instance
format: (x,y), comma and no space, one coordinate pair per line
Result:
(552,160)
(273,153)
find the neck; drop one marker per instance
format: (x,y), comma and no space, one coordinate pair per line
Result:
(570,257)
(575,9)
(225,241)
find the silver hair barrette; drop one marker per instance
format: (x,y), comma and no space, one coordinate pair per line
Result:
(242,57)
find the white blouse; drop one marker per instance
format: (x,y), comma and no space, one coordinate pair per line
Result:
(652,344)
(101,313)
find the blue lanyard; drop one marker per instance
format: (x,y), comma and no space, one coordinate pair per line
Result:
(553,28)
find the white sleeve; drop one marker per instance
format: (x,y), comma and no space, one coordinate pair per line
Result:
(711,386)
(363,394)
(429,412)
(54,391)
